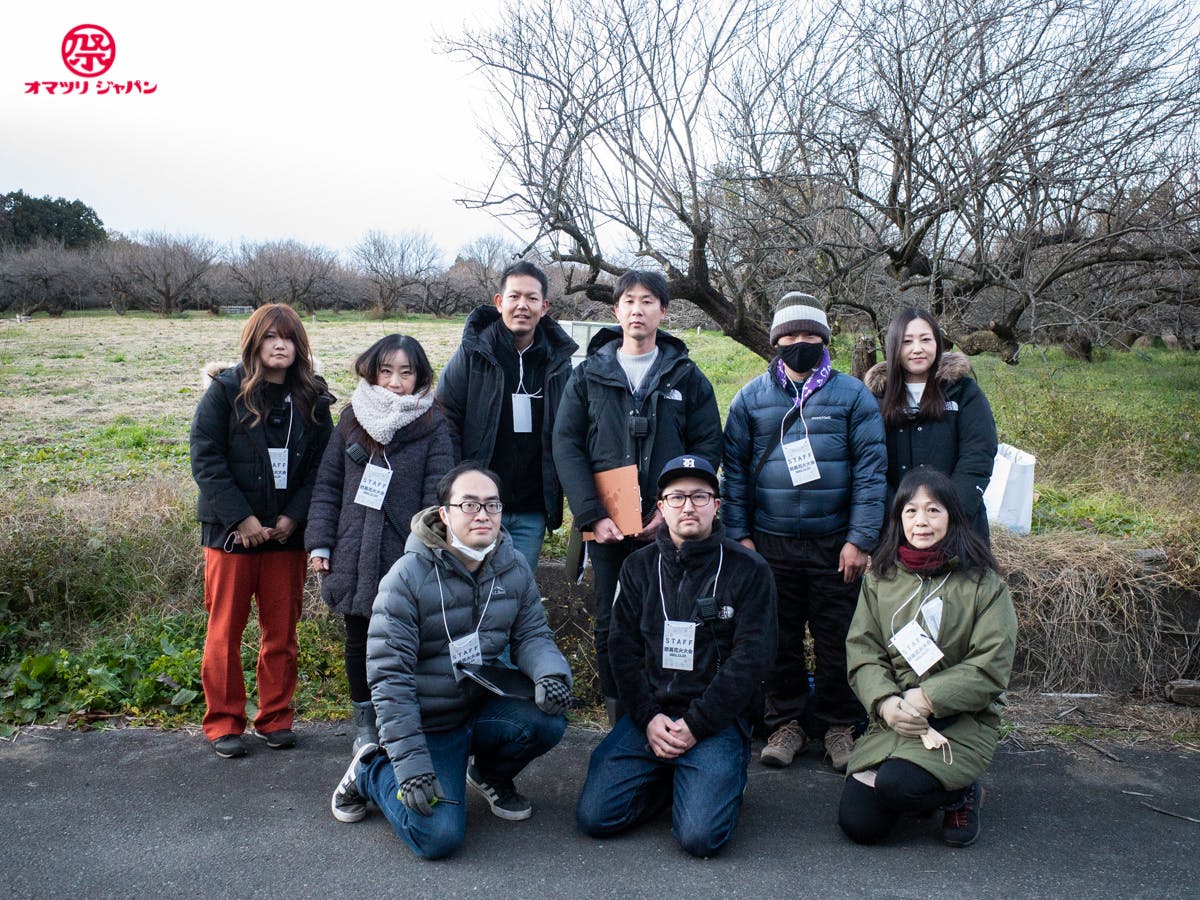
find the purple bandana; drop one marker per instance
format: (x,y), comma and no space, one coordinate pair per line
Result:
(816,381)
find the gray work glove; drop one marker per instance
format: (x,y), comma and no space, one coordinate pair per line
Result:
(420,793)
(552,695)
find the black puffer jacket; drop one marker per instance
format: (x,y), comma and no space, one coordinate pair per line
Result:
(232,467)
(732,654)
(963,444)
(408,652)
(470,390)
(364,542)
(592,432)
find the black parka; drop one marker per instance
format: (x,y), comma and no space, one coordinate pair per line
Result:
(232,466)
(471,389)
(592,431)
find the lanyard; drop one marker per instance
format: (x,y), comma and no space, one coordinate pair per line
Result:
(911,597)
(798,405)
(442,598)
(662,597)
(521,375)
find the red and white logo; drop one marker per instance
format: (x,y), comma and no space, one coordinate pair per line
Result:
(88,50)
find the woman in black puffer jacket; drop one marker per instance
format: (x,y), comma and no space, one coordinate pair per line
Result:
(934,413)
(382,466)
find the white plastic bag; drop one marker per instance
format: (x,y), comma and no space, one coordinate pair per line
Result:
(1009,495)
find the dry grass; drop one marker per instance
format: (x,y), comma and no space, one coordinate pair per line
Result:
(1091,616)
(1119,721)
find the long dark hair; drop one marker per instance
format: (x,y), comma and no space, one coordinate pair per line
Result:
(894,402)
(961,542)
(302,381)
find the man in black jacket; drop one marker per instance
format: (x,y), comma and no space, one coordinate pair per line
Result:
(693,635)
(637,399)
(500,392)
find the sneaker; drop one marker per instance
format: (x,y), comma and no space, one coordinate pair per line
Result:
(229,746)
(839,744)
(283,739)
(502,795)
(783,745)
(960,825)
(348,804)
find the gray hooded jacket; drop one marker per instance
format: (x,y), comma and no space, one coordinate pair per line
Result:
(427,593)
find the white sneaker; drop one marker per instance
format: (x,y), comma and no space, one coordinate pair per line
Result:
(348,804)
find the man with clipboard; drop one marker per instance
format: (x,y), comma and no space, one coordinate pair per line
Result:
(635,402)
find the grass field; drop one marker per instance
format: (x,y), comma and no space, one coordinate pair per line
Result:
(99,564)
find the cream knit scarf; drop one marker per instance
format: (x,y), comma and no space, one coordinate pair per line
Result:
(382,413)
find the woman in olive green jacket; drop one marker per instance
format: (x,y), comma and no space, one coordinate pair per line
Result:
(929,654)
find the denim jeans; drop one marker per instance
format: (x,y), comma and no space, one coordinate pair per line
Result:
(504,736)
(527,530)
(627,784)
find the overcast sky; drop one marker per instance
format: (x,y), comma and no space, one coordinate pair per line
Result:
(270,120)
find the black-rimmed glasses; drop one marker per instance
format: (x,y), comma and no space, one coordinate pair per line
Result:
(472,507)
(700,499)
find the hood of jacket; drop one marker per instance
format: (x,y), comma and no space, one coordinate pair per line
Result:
(951,367)
(479,335)
(428,538)
(606,342)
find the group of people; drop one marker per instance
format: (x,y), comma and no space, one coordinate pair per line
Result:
(426,507)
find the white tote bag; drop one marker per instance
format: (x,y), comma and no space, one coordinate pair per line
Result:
(1009,495)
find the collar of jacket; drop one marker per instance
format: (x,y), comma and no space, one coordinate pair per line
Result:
(694,555)
(480,337)
(606,368)
(952,367)
(428,538)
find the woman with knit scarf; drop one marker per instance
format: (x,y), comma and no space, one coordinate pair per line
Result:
(929,653)
(382,466)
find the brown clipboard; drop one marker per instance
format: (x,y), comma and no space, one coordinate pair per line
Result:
(622,498)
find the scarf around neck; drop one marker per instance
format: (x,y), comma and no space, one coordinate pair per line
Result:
(922,561)
(382,413)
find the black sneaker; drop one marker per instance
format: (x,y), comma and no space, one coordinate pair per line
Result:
(502,796)
(229,746)
(283,739)
(348,803)
(960,825)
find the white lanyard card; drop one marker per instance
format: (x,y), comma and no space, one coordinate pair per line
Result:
(279,466)
(801,463)
(522,412)
(917,647)
(373,487)
(465,652)
(679,645)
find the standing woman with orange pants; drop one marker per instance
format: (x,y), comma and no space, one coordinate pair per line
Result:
(256,440)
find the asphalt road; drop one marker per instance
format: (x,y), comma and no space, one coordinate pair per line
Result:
(140,813)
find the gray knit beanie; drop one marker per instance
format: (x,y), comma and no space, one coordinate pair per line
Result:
(797,311)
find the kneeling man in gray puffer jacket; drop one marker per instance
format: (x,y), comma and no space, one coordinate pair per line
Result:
(457,596)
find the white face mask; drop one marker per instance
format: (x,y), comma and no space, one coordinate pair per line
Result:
(469,552)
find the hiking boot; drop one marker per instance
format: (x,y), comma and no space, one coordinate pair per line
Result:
(229,746)
(783,745)
(348,803)
(364,721)
(960,825)
(501,794)
(282,739)
(839,743)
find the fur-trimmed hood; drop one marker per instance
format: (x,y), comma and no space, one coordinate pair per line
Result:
(951,367)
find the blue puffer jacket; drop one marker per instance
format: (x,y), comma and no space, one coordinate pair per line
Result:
(846,431)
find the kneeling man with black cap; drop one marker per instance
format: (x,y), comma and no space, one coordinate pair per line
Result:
(692,637)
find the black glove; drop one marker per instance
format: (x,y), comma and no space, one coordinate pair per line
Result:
(552,695)
(420,793)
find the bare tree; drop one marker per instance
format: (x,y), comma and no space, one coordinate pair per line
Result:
(284,272)
(485,258)
(159,272)
(45,277)
(395,264)
(970,155)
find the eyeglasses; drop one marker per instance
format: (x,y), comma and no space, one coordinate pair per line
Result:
(472,507)
(700,499)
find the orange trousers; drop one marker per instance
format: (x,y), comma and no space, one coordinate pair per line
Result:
(276,581)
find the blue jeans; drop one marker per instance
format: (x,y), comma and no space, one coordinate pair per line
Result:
(527,530)
(627,784)
(504,736)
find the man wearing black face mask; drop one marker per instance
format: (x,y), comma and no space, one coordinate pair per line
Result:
(805,480)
